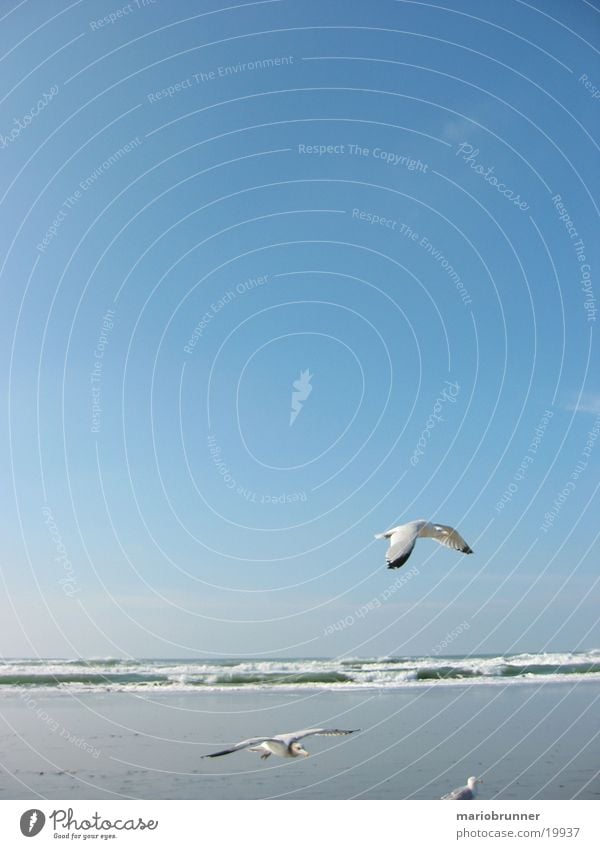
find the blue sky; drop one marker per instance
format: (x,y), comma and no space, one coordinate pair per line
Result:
(200,204)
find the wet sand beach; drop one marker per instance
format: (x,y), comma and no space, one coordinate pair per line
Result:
(528,740)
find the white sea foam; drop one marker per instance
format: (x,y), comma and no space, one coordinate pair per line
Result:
(188,675)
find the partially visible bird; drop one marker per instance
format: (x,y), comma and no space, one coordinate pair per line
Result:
(403,538)
(467,792)
(284,745)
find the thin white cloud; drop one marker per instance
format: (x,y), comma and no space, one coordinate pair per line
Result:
(458,130)
(588,403)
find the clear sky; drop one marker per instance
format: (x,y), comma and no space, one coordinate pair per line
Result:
(278,276)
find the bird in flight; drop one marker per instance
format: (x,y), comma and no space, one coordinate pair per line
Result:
(284,745)
(467,792)
(403,538)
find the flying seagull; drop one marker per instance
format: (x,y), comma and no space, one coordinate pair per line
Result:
(284,745)
(403,538)
(467,792)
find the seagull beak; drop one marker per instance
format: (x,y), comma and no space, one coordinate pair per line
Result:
(305,753)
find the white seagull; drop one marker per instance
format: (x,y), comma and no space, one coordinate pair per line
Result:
(403,538)
(467,792)
(284,745)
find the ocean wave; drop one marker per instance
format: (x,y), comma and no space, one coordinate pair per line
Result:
(186,675)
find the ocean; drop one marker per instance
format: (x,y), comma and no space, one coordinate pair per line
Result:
(116,728)
(340,674)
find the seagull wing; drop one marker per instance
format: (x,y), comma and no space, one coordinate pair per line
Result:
(402,542)
(311,732)
(445,535)
(245,744)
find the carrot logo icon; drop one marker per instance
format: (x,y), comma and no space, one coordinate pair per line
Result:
(32,822)
(302,389)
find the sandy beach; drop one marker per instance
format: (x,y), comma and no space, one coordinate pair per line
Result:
(527,740)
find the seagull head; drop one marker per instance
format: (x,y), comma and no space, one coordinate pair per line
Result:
(472,782)
(297,749)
